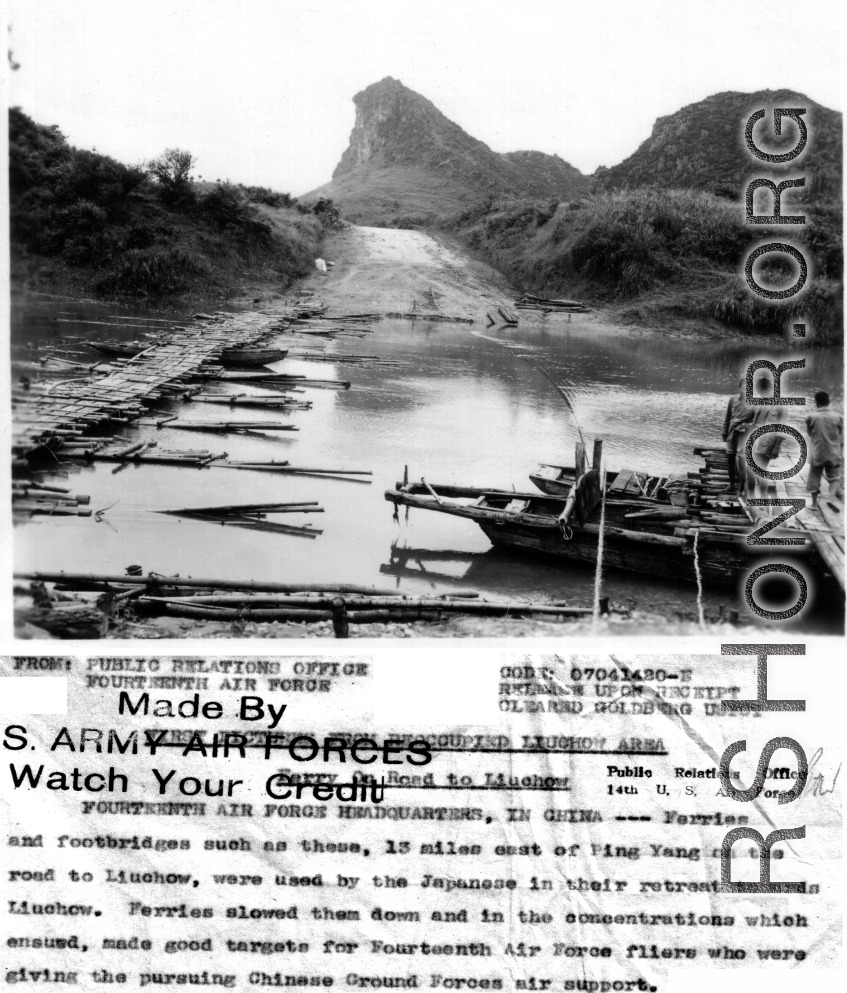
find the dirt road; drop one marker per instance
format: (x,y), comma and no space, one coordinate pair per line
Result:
(390,270)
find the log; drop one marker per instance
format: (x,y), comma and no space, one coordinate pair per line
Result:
(659,513)
(357,612)
(487,514)
(224,426)
(191,582)
(295,472)
(548,301)
(257,524)
(391,616)
(644,537)
(285,467)
(416,316)
(244,508)
(466,491)
(274,400)
(47,500)
(46,489)
(161,459)
(51,510)
(256,605)
(266,377)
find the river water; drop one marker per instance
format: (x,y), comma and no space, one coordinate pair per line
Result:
(465,408)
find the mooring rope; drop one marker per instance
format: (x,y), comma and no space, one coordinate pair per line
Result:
(598,574)
(700,615)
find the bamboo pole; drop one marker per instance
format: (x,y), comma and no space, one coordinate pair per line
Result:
(224,426)
(460,605)
(466,491)
(243,508)
(402,611)
(285,467)
(191,582)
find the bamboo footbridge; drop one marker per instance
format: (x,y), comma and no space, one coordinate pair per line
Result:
(822,525)
(46,416)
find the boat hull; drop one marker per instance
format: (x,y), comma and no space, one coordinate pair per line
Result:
(533,526)
(721,563)
(252,356)
(117,351)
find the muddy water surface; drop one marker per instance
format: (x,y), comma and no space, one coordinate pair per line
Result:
(466,407)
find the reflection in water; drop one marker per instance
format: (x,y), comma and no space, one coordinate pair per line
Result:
(571,582)
(461,410)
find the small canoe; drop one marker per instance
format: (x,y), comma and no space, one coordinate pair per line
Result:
(127,350)
(252,356)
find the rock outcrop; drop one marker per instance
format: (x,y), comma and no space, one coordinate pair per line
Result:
(406,157)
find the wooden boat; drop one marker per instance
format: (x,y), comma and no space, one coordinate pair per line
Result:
(641,533)
(229,356)
(128,350)
(252,356)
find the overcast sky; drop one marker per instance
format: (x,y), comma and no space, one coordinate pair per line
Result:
(260,90)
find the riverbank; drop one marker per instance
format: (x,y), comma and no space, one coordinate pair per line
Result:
(620,623)
(659,258)
(84,225)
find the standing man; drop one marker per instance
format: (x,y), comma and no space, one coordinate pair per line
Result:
(736,425)
(825,428)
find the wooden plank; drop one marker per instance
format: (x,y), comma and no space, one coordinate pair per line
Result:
(622,481)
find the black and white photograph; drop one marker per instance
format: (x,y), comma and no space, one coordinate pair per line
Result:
(444,320)
(424,567)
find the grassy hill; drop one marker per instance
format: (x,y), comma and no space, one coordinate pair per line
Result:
(660,257)
(701,146)
(83,223)
(398,197)
(662,236)
(658,239)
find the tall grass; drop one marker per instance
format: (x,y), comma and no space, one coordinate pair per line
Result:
(670,252)
(152,272)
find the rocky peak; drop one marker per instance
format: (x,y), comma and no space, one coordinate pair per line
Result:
(396,126)
(406,158)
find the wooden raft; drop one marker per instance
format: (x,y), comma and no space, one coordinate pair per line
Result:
(49,413)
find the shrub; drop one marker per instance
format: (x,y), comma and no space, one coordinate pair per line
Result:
(225,205)
(261,194)
(172,172)
(326,210)
(99,179)
(37,154)
(255,235)
(82,219)
(140,234)
(89,249)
